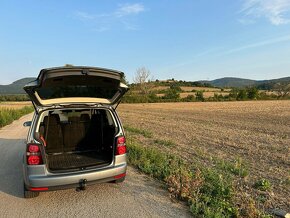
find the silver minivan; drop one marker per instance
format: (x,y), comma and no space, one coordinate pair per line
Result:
(76,137)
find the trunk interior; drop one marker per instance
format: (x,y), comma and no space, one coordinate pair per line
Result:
(76,139)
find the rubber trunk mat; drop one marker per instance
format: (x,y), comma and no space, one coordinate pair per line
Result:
(76,160)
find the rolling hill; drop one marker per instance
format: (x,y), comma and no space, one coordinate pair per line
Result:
(16,87)
(239,82)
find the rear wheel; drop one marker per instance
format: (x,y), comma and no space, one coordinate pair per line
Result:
(29,194)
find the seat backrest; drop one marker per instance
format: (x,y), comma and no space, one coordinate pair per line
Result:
(74,132)
(53,133)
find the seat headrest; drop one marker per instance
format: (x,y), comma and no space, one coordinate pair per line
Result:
(74,119)
(85,117)
(53,119)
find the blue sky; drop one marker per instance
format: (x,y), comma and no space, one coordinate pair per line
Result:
(185,40)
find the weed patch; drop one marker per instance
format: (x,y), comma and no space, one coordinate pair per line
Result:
(166,143)
(143,132)
(208,192)
(237,168)
(7,116)
(263,185)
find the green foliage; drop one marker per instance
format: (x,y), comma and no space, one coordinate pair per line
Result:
(252,93)
(242,95)
(14,98)
(166,143)
(143,132)
(7,116)
(237,168)
(175,87)
(199,96)
(209,193)
(171,93)
(215,197)
(183,83)
(263,185)
(189,98)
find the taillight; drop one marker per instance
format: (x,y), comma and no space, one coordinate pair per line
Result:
(33,148)
(121,145)
(33,155)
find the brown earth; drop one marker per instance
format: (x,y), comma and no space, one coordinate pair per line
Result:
(14,105)
(205,89)
(255,132)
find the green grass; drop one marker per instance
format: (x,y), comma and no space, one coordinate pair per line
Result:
(208,189)
(166,143)
(237,168)
(208,192)
(7,116)
(143,132)
(263,185)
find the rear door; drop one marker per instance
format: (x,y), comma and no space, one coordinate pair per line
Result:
(76,85)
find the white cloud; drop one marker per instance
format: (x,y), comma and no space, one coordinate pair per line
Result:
(258,44)
(129,9)
(103,22)
(276,11)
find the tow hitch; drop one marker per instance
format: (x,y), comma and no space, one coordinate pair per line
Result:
(83,185)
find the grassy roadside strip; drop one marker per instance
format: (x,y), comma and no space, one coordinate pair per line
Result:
(7,115)
(209,191)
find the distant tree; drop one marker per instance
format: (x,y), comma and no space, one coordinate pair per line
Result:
(242,95)
(252,93)
(234,93)
(68,65)
(140,78)
(176,87)
(199,96)
(171,94)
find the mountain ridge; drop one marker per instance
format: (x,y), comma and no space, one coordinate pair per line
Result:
(241,82)
(17,86)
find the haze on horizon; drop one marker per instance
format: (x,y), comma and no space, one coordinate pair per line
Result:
(185,40)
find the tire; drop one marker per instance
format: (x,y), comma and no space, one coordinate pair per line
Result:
(30,194)
(120,180)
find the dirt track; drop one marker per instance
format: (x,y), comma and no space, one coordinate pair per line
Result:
(138,196)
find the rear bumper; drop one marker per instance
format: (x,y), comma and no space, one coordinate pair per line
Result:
(55,181)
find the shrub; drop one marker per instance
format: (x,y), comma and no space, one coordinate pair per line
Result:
(171,94)
(209,193)
(7,116)
(199,96)
(166,143)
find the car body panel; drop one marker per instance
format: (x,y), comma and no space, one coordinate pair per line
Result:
(39,175)
(76,85)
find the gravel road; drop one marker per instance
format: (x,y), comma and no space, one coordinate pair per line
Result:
(138,196)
